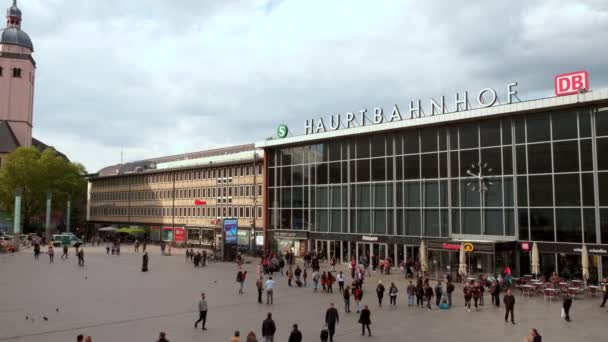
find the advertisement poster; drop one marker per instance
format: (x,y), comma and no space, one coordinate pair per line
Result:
(179,234)
(230,231)
(243,237)
(155,233)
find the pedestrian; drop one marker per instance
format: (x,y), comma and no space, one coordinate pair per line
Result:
(80,338)
(136,245)
(236,337)
(251,337)
(380,292)
(80,257)
(605,293)
(411,294)
(304,276)
(315,280)
(289,274)
(331,319)
(450,289)
(108,249)
(260,286)
(268,328)
(392,294)
(269,290)
(324,281)
(467,291)
(187,255)
(333,263)
(37,252)
(51,253)
(143,246)
(295,335)
(476,292)
(346,295)
(358,295)
(144,263)
(202,312)
(495,291)
(566,305)
(298,274)
(365,321)
(340,279)
(330,282)
(240,278)
(428,294)
(483,283)
(509,301)
(88,339)
(65,252)
(535,336)
(419,293)
(162,337)
(438,293)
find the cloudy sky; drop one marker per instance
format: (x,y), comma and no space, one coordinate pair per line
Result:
(158,77)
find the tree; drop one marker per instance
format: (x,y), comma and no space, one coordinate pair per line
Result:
(37,174)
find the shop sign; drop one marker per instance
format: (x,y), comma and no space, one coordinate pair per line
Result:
(282,131)
(450,246)
(369,238)
(468,247)
(486,97)
(572,83)
(591,250)
(199,202)
(179,234)
(290,235)
(525,246)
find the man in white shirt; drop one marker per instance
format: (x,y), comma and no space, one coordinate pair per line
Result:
(269,285)
(340,279)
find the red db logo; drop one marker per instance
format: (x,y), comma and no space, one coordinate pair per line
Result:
(571,83)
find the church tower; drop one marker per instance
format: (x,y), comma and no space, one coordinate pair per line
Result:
(17,75)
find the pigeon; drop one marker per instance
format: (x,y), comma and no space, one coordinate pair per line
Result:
(27,318)
(57,310)
(86,277)
(44,317)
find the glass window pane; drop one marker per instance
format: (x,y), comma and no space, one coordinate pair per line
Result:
(410,140)
(443,165)
(489,131)
(363,221)
(588,189)
(493,224)
(568,225)
(389,168)
(399,168)
(431,223)
(604,224)
(378,148)
(564,125)
(602,179)
(541,191)
(428,139)
(586,155)
(363,147)
(506,131)
(538,127)
(443,142)
(469,160)
(469,190)
(565,156)
(507,160)
(471,221)
(443,194)
(541,225)
(454,164)
(584,123)
(411,167)
(469,135)
(429,166)
(336,220)
(601,122)
(400,222)
(378,169)
(412,194)
(336,196)
(322,173)
(334,172)
(445,226)
(363,170)
(363,195)
(296,200)
(509,222)
(412,222)
(567,190)
(539,158)
(286,197)
(455,221)
(523,224)
(398,144)
(380,221)
(520,130)
(285,219)
(521,159)
(493,194)
(380,195)
(334,151)
(491,157)
(602,152)
(589,225)
(431,194)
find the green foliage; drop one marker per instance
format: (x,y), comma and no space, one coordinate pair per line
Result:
(38,173)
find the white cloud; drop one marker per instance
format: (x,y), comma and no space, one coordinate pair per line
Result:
(157,77)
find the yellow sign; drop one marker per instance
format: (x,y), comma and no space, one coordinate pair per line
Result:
(468,247)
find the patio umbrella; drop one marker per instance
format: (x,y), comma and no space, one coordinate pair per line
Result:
(424,266)
(107,229)
(585,262)
(462,263)
(535,260)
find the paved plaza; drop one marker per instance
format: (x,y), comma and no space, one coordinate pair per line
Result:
(111,300)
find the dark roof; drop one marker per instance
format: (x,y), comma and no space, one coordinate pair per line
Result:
(42,146)
(13,35)
(150,164)
(8,140)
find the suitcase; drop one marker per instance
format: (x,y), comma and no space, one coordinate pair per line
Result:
(444,306)
(324,335)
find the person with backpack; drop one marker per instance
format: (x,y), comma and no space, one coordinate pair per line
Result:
(295,335)
(450,289)
(476,291)
(380,292)
(340,279)
(298,274)
(331,319)
(240,278)
(392,294)
(411,294)
(365,321)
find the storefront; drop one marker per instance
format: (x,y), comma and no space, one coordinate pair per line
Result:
(290,241)
(495,176)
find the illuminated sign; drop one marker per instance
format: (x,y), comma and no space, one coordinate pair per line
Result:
(571,83)
(468,247)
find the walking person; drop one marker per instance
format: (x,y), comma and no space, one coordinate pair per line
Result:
(236,337)
(269,290)
(251,337)
(340,279)
(476,291)
(346,296)
(331,319)
(295,335)
(428,294)
(162,337)
(411,294)
(438,293)
(304,276)
(449,290)
(495,291)
(605,293)
(268,328)
(467,291)
(315,280)
(144,262)
(509,301)
(392,294)
(358,295)
(240,277)
(380,292)
(419,293)
(566,305)
(202,312)
(37,252)
(80,257)
(298,274)
(365,320)
(65,252)
(51,253)
(260,286)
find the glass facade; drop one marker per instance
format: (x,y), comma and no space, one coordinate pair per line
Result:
(544,177)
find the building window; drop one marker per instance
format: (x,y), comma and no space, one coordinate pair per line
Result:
(17,72)
(247,191)
(247,212)
(259,212)
(241,212)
